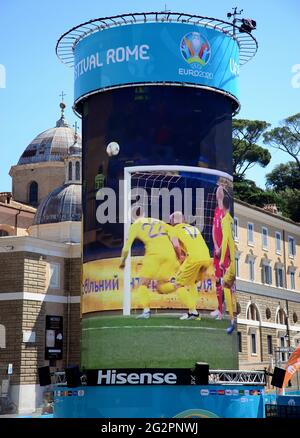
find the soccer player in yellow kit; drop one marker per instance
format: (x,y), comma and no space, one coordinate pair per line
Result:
(229,275)
(188,238)
(159,261)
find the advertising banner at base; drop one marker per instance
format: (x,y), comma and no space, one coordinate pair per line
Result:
(212,401)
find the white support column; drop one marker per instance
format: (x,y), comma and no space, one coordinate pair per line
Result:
(127,222)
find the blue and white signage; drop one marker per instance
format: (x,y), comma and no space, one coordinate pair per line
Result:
(156,53)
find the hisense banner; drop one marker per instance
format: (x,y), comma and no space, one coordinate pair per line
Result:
(158,285)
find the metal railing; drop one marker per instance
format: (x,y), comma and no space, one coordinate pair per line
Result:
(66,44)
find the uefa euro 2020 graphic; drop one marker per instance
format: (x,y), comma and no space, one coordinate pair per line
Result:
(195,49)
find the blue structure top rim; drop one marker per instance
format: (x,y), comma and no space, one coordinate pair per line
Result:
(67,42)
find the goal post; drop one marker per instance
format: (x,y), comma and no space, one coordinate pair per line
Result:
(153,177)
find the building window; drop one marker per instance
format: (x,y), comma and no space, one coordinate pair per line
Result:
(2,336)
(292,247)
(278,242)
(266,274)
(250,232)
(270,344)
(238,308)
(239,336)
(70,177)
(3,233)
(292,280)
(253,343)
(251,269)
(33,192)
(279,276)
(237,265)
(281,317)
(265,236)
(253,313)
(54,275)
(236,229)
(77,171)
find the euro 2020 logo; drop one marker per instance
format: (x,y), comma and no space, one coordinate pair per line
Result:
(195,49)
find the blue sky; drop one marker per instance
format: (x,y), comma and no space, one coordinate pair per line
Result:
(35,77)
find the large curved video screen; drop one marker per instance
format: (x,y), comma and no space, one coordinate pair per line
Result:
(158,250)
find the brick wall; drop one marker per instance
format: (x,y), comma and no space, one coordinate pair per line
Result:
(73,287)
(11,317)
(34,273)
(73,331)
(32,354)
(11,271)
(73,276)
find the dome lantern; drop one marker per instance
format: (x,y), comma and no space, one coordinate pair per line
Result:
(73,162)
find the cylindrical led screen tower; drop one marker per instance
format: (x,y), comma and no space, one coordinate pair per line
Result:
(156,93)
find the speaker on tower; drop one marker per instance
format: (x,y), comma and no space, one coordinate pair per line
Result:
(73,375)
(44,376)
(201,373)
(278,377)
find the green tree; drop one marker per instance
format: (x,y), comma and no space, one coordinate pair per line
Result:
(284,176)
(284,180)
(288,201)
(246,152)
(246,190)
(286,137)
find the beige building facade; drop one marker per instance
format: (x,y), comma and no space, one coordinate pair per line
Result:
(40,264)
(268,286)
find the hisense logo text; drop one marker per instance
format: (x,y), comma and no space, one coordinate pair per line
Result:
(111,377)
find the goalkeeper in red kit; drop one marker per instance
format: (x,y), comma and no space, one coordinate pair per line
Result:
(217,235)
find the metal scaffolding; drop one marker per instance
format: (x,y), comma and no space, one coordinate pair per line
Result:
(237,377)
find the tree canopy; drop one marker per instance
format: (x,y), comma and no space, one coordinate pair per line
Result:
(283,182)
(246,152)
(286,137)
(284,175)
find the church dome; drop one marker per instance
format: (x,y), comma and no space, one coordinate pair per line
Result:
(52,144)
(61,205)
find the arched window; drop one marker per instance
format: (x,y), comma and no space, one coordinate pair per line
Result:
(281,317)
(77,171)
(70,171)
(3,233)
(33,192)
(2,336)
(253,313)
